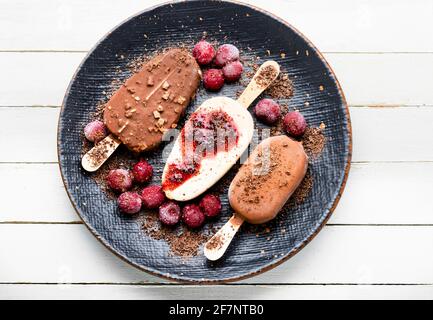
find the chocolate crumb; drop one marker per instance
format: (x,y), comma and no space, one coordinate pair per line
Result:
(281,88)
(266,76)
(182,241)
(216,242)
(314,141)
(302,192)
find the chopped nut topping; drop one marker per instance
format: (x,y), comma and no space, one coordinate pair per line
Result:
(122,127)
(109,107)
(129,113)
(160,122)
(174,125)
(137,98)
(165,85)
(156,114)
(143,146)
(176,110)
(166,95)
(131,90)
(180,100)
(160,108)
(150,81)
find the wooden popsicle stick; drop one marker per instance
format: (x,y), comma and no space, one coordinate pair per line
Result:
(216,246)
(259,84)
(96,156)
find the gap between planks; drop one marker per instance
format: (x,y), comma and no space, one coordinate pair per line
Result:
(231,284)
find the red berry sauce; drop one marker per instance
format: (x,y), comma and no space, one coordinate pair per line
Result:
(204,135)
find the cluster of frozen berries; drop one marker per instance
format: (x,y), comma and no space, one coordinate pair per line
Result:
(226,66)
(152,197)
(269,112)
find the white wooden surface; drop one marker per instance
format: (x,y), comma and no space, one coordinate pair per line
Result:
(378,244)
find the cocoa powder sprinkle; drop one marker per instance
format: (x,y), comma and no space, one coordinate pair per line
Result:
(181,241)
(281,88)
(215,243)
(266,76)
(314,142)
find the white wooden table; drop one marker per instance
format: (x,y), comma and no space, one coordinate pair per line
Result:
(379,242)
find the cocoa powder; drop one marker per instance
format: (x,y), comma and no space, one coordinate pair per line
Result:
(182,241)
(303,191)
(215,243)
(281,88)
(266,76)
(314,141)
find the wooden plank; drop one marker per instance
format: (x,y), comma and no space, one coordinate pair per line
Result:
(387,193)
(361,254)
(367,79)
(232,292)
(45,197)
(376,193)
(392,134)
(30,79)
(375,133)
(335,25)
(384,79)
(29,134)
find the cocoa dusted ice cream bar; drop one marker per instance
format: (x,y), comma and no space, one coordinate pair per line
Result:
(261,187)
(267,180)
(153,99)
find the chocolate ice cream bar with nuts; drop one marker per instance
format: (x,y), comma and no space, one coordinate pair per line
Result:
(152,100)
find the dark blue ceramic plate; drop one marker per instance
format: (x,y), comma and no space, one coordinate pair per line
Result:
(225,22)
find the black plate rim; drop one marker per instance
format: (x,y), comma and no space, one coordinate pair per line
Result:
(271,265)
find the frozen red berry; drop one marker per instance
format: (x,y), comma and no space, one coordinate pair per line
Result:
(232,71)
(203,52)
(142,171)
(267,111)
(129,202)
(192,216)
(294,123)
(213,79)
(210,205)
(225,54)
(152,196)
(169,213)
(95,131)
(119,180)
